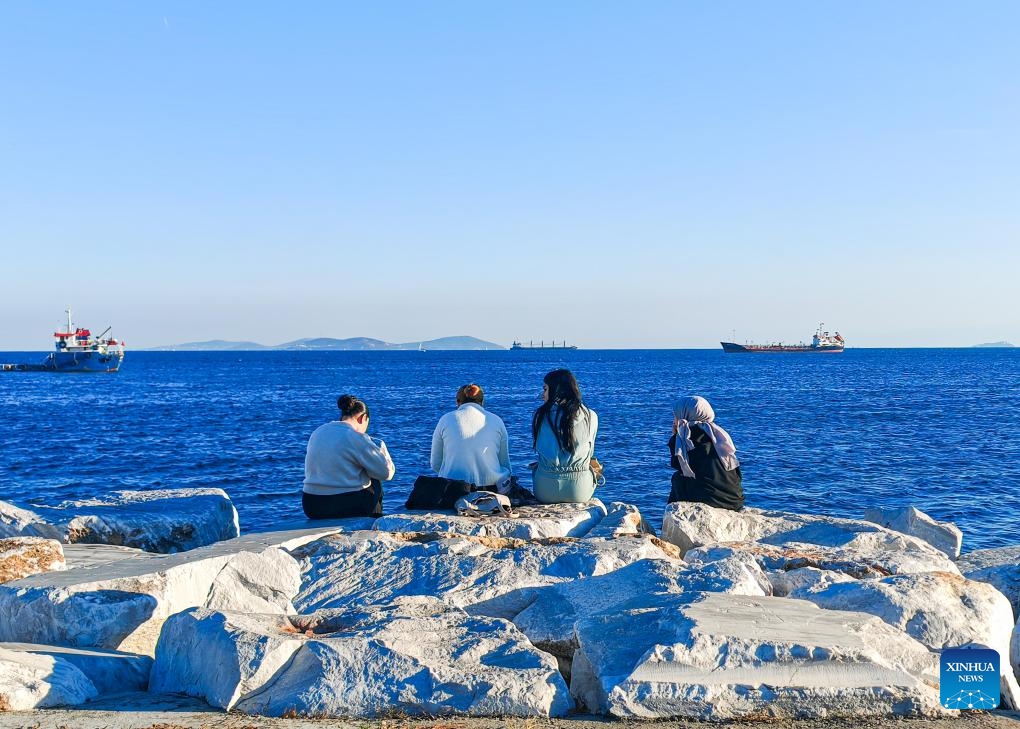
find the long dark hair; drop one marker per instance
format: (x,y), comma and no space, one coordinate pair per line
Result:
(566,395)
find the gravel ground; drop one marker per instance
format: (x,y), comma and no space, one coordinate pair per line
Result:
(143,711)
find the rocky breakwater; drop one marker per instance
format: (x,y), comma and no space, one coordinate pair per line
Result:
(573,607)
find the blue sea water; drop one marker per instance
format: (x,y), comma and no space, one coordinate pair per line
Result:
(935,428)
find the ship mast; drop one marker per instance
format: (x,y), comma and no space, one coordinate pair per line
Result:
(68,311)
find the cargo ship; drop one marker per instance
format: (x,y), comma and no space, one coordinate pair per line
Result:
(822,341)
(77,350)
(543,345)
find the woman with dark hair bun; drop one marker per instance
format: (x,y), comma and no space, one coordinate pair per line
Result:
(344,467)
(470,443)
(563,434)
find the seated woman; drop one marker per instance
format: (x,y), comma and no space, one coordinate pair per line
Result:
(703,454)
(344,466)
(470,443)
(563,434)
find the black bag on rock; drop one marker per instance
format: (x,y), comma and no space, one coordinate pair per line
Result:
(436,492)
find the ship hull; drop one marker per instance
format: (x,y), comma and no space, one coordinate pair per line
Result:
(83,362)
(733,348)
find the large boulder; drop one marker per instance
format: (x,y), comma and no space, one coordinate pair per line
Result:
(731,657)
(1000,567)
(528,522)
(483,575)
(549,620)
(943,535)
(940,610)
(690,525)
(111,672)
(32,681)
(122,604)
(18,522)
(24,556)
(164,521)
(416,656)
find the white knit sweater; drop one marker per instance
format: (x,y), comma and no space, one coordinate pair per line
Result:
(470,444)
(340,460)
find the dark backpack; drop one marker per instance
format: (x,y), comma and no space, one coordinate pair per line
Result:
(436,492)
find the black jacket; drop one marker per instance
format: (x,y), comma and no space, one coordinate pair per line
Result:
(712,483)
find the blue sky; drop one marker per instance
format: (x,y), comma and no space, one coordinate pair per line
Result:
(652,174)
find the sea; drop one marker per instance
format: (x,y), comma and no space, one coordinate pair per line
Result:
(938,429)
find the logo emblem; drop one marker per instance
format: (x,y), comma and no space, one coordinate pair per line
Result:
(969,678)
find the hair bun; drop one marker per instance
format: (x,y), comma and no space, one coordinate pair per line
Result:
(472,390)
(350,405)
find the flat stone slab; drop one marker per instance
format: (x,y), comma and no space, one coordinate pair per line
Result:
(938,609)
(416,656)
(31,681)
(943,535)
(690,525)
(999,567)
(731,657)
(111,672)
(531,522)
(122,604)
(164,521)
(24,556)
(490,576)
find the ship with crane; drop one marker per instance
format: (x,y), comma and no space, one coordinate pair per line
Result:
(821,342)
(77,350)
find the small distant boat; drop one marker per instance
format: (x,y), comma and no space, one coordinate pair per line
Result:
(543,345)
(77,350)
(822,341)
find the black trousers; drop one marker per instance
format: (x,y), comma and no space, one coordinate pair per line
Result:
(364,502)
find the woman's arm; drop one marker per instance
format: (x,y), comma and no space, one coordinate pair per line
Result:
(436,459)
(376,461)
(504,448)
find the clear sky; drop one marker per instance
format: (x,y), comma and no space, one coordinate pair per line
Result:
(646,174)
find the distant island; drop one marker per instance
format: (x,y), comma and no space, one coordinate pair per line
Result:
(318,344)
(994,344)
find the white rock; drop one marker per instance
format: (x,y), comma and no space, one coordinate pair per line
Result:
(93,555)
(940,610)
(123,604)
(30,681)
(164,521)
(690,525)
(24,556)
(621,520)
(416,656)
(484,575)
(999,567)
(256,583)
(943,535)
(1014,651)
(549,620)
(18,522)
(859,559)
(531,522)
(111,672)
(722,657)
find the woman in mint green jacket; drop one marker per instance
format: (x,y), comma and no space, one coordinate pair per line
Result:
(563,434)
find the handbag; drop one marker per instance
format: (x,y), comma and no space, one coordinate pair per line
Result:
(484,503)
(597,472)
(436,492)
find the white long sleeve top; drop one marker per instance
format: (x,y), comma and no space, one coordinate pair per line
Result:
(471,444)
(341,460)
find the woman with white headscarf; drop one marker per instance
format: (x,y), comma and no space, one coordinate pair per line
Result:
(705,459)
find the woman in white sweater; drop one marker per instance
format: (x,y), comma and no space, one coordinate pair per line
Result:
(470,443)
(344,467)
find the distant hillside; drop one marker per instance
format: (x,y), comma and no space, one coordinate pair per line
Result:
(218,345)
(994,344)
(352,344)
